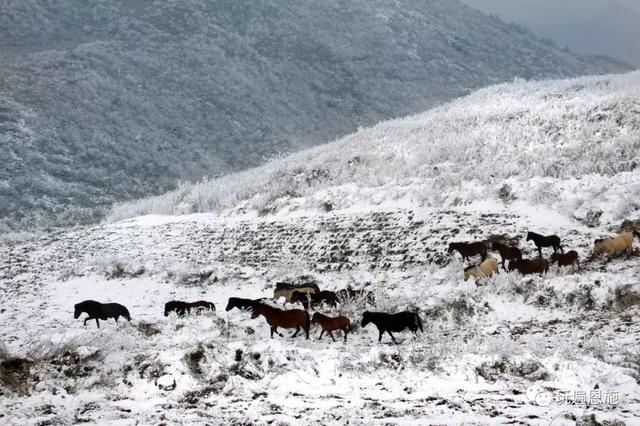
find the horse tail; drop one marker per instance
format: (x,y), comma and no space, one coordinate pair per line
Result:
(419,322)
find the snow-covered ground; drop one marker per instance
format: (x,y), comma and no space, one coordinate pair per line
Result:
(500,353)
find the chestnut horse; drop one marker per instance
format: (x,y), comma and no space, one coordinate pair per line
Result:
(329,324)
(566,259)
(468,250)
(286,319)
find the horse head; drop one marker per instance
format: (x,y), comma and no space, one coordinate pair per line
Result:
(451,247)
(168,307)
(255,313)
(529,236)
(366,319)
(77,311)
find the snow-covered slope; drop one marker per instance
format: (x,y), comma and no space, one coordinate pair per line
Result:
(116,100)
(572,145)
(375,210)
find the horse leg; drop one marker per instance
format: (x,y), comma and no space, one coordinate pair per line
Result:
(98,322)
(380,336)
(539,251)
(345,331)
(331,334)
(272,331)
(504,267)
(296,333)
(85,320)
(392,338)
(321,333)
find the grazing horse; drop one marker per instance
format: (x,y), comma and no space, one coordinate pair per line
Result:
(286,319)
(314,299)
(348,294)
(506,252)
(615,245)
(103,311)
(329,324)
(566,259)
(286,290)
(468,250)
(241,303)
(484,270)
(181,308)
(392,322)
(545,241)
(530,266)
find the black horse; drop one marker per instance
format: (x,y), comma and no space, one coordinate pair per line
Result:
(545,241)
(393,322)
(103,311)
(241,303)
(325,296)
(182,308)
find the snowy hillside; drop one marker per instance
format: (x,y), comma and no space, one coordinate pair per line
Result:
(572,145)
(375,210)
(117,100)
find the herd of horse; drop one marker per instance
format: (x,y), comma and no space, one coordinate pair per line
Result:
(311,297)
(620,244)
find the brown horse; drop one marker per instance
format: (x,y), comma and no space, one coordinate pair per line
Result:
(530,266)
(569,258)
(286,319)
(468,250)
(329,324)
(506,252)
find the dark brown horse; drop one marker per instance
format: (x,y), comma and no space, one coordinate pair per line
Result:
(506,252)
(545,241)
(103,311)
(569,258)
(392,322)
(330,324)
(468,250)
(530,266)
(348,294)
(181,308)
(313,299)
(286,319)
(241,303)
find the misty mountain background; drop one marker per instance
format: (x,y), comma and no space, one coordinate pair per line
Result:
(597,27)
(108,101)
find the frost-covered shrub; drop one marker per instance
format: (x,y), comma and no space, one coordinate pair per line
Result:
(114,268)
